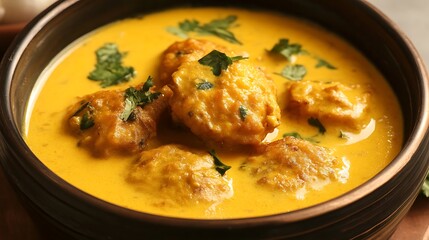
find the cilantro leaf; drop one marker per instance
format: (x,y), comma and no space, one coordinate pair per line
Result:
(323,63)
(108,69)
(219,165)
(183,28)
(85,115)
(298,136)
(343,135)
(134,98)
(217,27)
(295,72)
(293,134)
(218,61)
(87,121)
(243,112)
(204,85)
(316,123)
(284,48)
(189,25)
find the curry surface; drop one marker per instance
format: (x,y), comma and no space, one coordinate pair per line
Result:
(144,39)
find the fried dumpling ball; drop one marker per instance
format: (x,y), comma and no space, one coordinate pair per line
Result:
(97,120)
(178,175)
(238,107)
(292,165)
(183,51)
(332,103)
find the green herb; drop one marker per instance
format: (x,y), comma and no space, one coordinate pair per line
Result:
(85,114)
(425,187)
(343,135)
(86,121)
(293,134)
(189,25)
(134,98)
(183,28)
(218,61)
(287,50)
(243,166)
(298,136)
(316,123)
(108,69)
(295,72)
(217,27)
(204,85)
(243,112)
(324,63)
(219,166)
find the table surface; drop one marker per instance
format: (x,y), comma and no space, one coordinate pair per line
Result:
(411,17)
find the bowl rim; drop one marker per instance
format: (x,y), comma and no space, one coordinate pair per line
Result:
(417,134)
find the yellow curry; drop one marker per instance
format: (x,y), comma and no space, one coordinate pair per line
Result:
(230,113)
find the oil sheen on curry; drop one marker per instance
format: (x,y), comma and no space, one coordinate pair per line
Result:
(230,113)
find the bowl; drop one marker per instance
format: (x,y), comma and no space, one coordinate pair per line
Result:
(371,211)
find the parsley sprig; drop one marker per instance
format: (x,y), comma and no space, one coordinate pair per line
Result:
(134,98)
(218,61)
(218,27)
(108,69)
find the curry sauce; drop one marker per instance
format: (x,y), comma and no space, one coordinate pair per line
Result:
(330,107)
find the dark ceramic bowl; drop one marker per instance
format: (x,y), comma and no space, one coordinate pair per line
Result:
(372,210)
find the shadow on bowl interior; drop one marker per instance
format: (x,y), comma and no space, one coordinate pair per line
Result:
(373,210)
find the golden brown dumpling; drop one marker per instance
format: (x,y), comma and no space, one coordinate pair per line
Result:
(292,165)
(177,175)
(184,51)
(237,107)
(331,103)
(96,120)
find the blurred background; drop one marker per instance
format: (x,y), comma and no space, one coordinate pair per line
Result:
(412,16)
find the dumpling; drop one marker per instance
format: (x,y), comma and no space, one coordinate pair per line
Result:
(178,175)
(96,121)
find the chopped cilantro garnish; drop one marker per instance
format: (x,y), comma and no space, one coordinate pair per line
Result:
(295,72)
(108,69)
(134,98)
(343,135)
(85,115)
(86,121)
(218,61)
(219,166)
(189,25)
(287,50)
(316,123)
(323,63)
(217,27)
(204,85)
(297,135)
(243,112)
(293,134)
